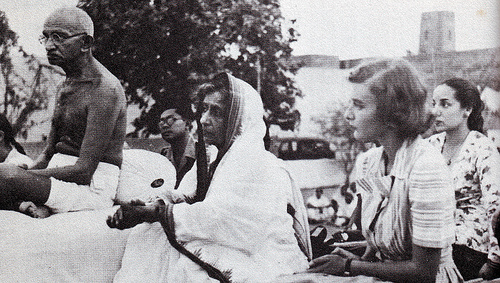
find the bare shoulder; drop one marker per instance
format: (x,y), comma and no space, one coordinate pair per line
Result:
(109,88)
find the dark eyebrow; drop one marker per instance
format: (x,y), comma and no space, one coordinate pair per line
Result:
(357,101)
(215,105)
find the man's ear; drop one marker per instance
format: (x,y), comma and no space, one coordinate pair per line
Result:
(88,42)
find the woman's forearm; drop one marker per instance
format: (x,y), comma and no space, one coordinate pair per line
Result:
(396,271)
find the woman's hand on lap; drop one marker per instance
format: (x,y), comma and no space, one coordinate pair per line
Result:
(332,264)
(343,253)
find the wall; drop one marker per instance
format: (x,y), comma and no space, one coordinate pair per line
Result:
(316,61)
(479,66)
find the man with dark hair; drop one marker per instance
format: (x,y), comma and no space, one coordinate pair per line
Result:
(80,165)
(319,207)
(175,128)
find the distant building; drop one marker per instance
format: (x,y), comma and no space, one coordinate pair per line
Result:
(478,65)
(317,61)
(436,61)
(437,32)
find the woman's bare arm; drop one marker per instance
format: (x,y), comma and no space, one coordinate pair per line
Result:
(423,266)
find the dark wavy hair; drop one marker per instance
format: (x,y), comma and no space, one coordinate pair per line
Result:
(8,134)
(469,97)
(400,96)
(220,83)
(184,111)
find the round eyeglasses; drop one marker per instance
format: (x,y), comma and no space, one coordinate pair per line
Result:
(57,38)
(169,121)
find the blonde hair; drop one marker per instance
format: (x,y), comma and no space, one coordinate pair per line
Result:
(399,94)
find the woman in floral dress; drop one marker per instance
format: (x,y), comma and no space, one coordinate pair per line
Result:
(407,198)
(474,163)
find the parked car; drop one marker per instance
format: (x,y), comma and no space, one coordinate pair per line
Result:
(312,164)
(302,148)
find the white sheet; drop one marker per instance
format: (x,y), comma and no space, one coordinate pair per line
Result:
(66,247)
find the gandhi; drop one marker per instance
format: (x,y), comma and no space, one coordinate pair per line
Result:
(79,168)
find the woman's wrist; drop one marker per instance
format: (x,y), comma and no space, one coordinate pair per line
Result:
(153,214)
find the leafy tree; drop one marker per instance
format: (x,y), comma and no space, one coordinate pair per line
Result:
(335,128)
(8,39)
(161,49)
(24,80)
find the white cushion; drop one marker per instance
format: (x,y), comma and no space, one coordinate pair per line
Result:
(144,175)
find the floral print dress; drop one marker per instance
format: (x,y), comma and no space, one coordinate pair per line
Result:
(475,171)
(494,135)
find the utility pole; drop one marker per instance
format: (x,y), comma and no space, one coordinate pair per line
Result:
(434,79)
(259,74)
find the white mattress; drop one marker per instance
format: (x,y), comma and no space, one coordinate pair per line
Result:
(66,247)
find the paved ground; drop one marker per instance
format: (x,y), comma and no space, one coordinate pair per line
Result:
(315,173)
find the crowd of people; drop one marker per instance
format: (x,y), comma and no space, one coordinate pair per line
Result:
(427,205)
(335,210)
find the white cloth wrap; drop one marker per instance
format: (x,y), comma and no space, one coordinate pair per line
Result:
(67,196)
(242,226)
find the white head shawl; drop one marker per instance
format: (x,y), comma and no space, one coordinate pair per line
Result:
(246,128)
(246,113)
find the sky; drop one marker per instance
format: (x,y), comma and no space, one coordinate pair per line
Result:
(364,28)
(345,28)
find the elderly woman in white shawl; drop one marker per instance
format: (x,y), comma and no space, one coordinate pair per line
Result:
(251,226)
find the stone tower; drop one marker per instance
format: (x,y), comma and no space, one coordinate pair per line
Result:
(437,32)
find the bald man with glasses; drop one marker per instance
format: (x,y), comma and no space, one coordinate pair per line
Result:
(79,168)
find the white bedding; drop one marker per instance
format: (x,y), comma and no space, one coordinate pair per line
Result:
(66,247)
(79,246)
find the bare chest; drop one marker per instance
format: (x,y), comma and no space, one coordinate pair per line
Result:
(450,152)
(70,116)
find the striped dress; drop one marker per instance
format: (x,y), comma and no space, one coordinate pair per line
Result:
(413,204)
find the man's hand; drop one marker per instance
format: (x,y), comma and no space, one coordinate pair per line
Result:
(23,166)
(31,209)
(345,254)
(67,146)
